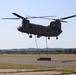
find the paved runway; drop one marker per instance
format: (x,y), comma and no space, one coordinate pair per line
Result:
(33,61)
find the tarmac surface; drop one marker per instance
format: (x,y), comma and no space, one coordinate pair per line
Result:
(33,61)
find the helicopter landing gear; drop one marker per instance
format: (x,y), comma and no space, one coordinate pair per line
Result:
(48,38)
(30,36)
(38,36)
(56,37)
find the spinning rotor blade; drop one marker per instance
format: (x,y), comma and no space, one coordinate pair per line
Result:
(40,17)
(30,17)
(18,15)
(11,18)
(47,18)
(68,17)
(15,18)
(63,21)
(43,17)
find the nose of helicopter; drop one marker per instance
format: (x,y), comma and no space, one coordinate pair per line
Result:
(19,28)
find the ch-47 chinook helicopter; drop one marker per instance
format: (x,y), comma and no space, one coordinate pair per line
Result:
(52,30)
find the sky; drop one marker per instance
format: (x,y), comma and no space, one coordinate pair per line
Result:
(11,38)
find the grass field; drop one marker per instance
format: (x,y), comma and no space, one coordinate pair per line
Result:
(37,67)
(53,56)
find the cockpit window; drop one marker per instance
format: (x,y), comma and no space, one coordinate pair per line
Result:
(20,24)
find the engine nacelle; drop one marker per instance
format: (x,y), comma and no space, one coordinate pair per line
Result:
(56,24)
(52,24)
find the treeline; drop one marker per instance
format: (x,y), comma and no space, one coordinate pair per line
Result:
(64,51)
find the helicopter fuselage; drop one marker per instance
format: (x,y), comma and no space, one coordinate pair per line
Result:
(52,30)
(39,30)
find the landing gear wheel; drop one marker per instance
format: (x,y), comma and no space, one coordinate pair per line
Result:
(38,36)
(57,38)
(48,38)
(30,36)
